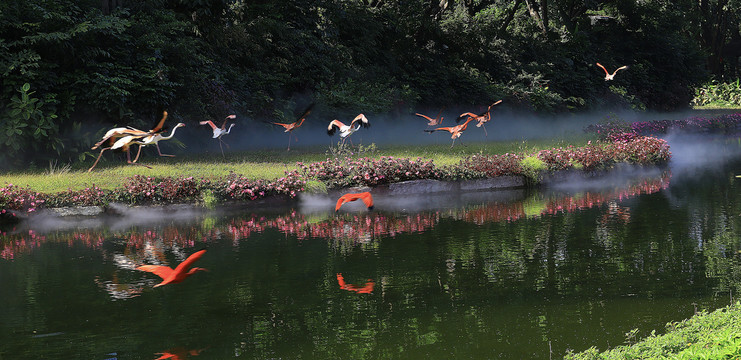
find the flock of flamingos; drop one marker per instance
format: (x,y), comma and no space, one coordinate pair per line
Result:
(124,137)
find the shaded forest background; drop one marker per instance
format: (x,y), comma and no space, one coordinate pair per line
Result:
(66,64)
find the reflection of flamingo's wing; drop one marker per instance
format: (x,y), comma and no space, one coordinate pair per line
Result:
(162,271)
(603,68)
(189,261)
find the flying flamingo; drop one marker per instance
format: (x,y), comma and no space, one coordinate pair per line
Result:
(481,119)
(155,139)
(609,76)
(123,138)
(365,289)
(365,196)
(295,125)
(181,272)
(433,122)
(455,131)
(220,131)
(347,130)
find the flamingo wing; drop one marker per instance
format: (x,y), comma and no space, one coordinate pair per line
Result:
(230,117)
(306,112)
(495,103)
(367,200)
(424,116)
(160,124)
(283,125)
(334,126)
(343,199)
(162,271)
(462,116)
(603,68)
(621,68)
(185,265)
(209,123)
(363,121)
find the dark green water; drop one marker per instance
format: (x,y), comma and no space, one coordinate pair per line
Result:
(517,278)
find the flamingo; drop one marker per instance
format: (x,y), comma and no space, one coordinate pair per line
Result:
(433,122)
(181,272)
(295,125)
(347,130)
(482,118)
(365,196)
(177,354)
(124,137)
(365,289)
(455,131)
(609,76)
(155,139)
(220,131)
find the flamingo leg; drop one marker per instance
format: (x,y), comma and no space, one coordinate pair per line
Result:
(289,142)
(221,147)
(128,159)
(160,152)
(485,133)
(137,153)
(98,159)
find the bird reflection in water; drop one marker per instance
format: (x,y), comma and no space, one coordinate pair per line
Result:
(177,275)
(365,289)
(178,353)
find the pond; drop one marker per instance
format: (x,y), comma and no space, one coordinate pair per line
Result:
(505,274)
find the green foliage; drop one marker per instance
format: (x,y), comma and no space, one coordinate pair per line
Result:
(718,94)
(715,335)
(29,123)
(532,168)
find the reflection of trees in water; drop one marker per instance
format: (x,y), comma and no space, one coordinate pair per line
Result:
(357,228)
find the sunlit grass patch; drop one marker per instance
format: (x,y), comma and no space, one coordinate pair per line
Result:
(269,164)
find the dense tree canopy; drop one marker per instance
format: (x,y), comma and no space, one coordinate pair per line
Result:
(124,61)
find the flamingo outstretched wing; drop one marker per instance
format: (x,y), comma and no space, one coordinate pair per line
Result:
(334,125)
(209,123)
(603,68)
(189,261)
(162,271)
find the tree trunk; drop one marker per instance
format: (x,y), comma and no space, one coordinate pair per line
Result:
(536,14)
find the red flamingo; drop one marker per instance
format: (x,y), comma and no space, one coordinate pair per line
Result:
(220,131)
(455,131)
(123,138)
(481,119)
(177,354)
(347,130)
(295,125)
(609,76)
(365,196)
(181,272)
(365,289)
(430,121)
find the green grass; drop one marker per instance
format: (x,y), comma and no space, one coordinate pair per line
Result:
(715,335)
(112,171)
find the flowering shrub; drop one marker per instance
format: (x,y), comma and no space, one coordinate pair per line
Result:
(721,123)
(240,188)
(369,172)
(89,196)
(13,197)
(168,189)
(642,150)
(481,166)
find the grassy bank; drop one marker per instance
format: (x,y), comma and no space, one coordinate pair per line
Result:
(715,335)
(265,164)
